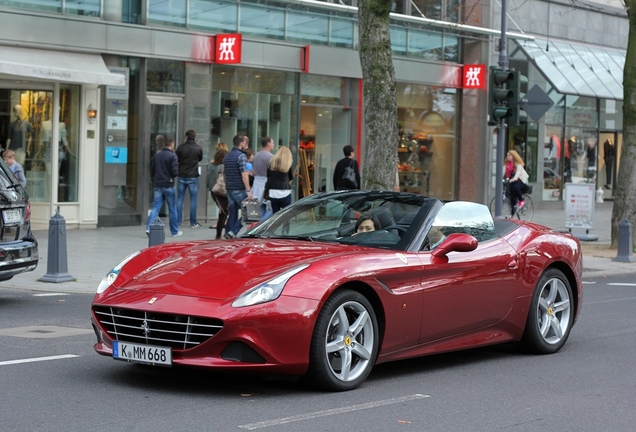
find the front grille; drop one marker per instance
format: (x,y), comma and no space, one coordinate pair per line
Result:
(177,331)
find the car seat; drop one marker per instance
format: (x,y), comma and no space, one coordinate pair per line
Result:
(384,217)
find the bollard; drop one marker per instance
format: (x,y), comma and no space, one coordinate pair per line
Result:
(625,242)
(156,235)
(57,263)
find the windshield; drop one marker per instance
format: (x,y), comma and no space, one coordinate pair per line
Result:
(375,219)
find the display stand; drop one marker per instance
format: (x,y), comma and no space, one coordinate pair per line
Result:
(303,172)
(579,209)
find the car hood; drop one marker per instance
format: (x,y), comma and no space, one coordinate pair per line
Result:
(224,270)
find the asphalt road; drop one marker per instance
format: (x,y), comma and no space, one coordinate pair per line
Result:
(588,386)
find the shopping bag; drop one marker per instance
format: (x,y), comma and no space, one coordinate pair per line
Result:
(251,210)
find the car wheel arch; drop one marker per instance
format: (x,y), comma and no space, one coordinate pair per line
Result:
(371,295)
(569,274)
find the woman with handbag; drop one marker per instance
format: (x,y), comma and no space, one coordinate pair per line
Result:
(215,182)
(279,177)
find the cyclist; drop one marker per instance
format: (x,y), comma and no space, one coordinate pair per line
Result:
(516,174)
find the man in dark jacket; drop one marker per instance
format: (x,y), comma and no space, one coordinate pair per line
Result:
(237,183)
(348,162)
(189,154)
(164,169)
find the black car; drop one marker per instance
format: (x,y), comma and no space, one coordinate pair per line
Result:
(18,247)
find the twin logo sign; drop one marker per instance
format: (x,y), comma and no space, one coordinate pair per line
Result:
(474,76)
(228,48)
(219,49)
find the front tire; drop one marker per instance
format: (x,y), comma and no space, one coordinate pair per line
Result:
(551,314)
(344,344)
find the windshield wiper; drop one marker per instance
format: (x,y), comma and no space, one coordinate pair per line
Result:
(13,185)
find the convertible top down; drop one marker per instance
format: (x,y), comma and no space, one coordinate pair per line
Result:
(303,294)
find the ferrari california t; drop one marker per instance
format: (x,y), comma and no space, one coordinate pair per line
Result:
(340,281)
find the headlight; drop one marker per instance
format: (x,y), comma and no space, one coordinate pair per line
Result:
(112,275)
(267,291)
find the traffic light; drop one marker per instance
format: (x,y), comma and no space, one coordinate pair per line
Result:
(518,114)
(499,95)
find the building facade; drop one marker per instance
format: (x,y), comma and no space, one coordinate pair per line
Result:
(577,58)
(96,81)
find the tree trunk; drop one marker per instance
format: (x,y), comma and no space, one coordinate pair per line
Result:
(625,192)
(380,100)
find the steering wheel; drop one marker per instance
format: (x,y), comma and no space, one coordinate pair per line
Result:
(395,227)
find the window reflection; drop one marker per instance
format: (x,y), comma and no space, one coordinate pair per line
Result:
(263,21)
(425,45)
(82,7)
(167,12)
(304,27)
(213,15)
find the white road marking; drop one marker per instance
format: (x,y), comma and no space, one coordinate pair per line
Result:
(38,359)
(330,412)
(621,284)
(588,282)
(50,294)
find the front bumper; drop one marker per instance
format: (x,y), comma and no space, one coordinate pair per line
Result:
(273,338)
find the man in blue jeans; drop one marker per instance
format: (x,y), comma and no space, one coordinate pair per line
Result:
(189,154)
(237,183)
(164,169)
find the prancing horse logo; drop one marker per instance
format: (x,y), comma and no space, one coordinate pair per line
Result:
(145,328)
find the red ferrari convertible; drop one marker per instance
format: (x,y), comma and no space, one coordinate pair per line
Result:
(340,281)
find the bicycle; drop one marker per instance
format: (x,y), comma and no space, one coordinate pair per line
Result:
(524,213)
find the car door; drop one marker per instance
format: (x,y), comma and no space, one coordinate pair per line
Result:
(471,291)
(465,291)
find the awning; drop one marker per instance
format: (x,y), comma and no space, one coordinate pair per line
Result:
(57,66)
(578,69)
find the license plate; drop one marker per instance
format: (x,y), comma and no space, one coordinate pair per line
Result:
(12,216)
(139,353)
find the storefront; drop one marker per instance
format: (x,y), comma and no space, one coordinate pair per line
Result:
(580,137)
(48,117)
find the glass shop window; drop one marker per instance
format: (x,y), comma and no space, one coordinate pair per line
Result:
(427,140)
(82,7)
(167,12)
(26,128)
(165,76)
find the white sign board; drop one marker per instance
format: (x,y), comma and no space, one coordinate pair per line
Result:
(579,205)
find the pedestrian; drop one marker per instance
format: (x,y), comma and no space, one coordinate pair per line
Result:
(16,168)
(163,169)
(259,171)
(189,154)
(348,165)
(279,177)
(216,167)
(518,177)
(237,183)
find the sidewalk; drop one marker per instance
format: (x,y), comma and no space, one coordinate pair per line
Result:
(93,252)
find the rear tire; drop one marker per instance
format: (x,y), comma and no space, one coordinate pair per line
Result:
(344,345)
(551,315)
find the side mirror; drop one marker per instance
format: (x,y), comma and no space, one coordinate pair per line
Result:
(455,243)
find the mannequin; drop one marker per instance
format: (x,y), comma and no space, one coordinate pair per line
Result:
(609,154)
(20,132)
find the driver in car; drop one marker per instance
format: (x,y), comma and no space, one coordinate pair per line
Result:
(366,224)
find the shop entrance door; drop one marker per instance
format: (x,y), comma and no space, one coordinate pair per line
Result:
(163,113)
(608,162)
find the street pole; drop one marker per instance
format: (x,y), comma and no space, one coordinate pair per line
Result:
(501,134)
